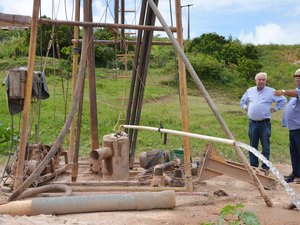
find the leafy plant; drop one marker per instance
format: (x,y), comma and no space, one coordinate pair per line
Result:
(234,215)
(6,138)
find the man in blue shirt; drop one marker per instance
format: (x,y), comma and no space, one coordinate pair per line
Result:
(291,120)
(257,102)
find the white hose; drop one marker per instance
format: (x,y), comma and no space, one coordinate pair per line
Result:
(182,133)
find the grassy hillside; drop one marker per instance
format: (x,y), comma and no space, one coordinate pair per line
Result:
(161,106)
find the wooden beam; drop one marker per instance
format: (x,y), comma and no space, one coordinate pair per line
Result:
(11,19)
(25,20)
(111,42)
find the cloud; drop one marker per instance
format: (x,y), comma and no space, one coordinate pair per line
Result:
(255,21)
(271,33)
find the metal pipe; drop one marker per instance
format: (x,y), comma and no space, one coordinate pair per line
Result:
(48,188)
(182,133)
(74,172)
(101,153)
(91,203)
(141,81)
(166,165)
(134,77)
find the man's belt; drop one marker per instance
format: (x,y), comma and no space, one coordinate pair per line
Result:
(260,121)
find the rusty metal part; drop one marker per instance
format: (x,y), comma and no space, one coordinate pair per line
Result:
(96,157)
(160,179)
(91,203)
(101,153)
(213,165)
(167,165)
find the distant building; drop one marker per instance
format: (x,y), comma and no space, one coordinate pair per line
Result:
(4,26)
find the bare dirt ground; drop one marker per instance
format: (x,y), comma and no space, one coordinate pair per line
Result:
(190,209)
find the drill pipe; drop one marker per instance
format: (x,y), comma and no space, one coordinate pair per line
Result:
(91,203)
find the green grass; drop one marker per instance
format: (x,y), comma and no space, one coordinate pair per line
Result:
(161,106)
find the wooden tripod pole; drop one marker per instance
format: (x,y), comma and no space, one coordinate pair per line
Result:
(183,103)
(28,89)
(74,74)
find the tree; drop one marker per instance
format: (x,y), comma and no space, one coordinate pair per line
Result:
(61,35)
(210,44)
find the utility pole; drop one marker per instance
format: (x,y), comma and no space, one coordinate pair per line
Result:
(189,5)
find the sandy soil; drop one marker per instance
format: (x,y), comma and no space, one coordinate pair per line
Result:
(190,209)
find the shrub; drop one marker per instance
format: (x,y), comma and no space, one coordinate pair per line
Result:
(234,215)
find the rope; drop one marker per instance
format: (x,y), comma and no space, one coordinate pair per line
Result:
(105,11)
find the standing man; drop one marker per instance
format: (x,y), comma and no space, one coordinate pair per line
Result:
(291,120)
(257,102)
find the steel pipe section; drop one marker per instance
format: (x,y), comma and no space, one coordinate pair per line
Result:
(91,203)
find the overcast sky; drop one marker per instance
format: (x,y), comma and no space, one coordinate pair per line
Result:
(251,21)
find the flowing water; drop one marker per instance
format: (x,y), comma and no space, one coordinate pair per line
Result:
(275,171)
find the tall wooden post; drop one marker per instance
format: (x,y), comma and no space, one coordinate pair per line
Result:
(28,89)
(74,74)
(74,156)
(183,102)
(88,17)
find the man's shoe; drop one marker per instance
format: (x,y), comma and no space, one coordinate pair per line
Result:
(290,176)
(289,180)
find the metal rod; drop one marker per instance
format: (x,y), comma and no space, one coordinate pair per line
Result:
(143,69)
(75,166)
